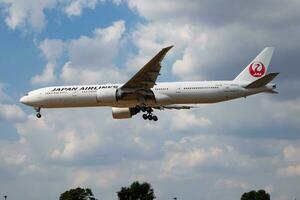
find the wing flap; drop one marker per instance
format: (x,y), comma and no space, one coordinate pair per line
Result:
(176,107)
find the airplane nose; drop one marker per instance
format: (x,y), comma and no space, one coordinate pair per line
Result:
(30,100)
(24,100)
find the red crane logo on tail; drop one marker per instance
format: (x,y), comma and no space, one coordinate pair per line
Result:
(257,69)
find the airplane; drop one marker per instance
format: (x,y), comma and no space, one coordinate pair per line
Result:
(142,93)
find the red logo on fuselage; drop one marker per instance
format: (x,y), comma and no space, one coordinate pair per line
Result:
(257,69)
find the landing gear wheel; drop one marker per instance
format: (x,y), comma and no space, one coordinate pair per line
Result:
(137,110)
(38,110)
(143,108)
(145,116)
(149,110)
(138,107)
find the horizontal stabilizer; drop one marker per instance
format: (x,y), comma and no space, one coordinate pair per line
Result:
(272,92)
(262,81)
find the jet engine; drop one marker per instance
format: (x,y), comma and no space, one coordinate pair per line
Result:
(107,95)
(161,98)
(123,113)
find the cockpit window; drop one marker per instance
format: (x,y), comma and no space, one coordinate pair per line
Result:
(26,94)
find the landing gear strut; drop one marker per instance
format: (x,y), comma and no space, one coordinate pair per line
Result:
(149,112)
(38,112)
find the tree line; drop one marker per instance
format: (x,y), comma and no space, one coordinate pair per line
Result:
(143,191)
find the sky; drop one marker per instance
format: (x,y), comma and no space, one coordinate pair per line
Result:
(217,151)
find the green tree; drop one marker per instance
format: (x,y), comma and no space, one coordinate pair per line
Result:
(136,191)
(256,195)
(77,194)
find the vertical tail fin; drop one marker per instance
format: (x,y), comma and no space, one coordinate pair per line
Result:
(258,67)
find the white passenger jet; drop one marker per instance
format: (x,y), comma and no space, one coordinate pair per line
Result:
(143,94)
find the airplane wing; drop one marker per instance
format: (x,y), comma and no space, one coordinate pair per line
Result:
(146,77)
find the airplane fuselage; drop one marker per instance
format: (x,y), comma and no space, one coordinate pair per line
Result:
(165,93)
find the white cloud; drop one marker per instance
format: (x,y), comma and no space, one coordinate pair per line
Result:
(14,158)
(216,13)
(52,50)
(98,50)
(103,179)
(8,111)
(188,120)
(21,13)
(91,58)
(291,153)
(269,188)
(159,10)
(289,109)
(150,38)
(71,74)
(81,141)
(75,7)
(27,14)
(185,162)
(292,158)
(47,76)
(231,184)
(192,155)
(11,112)
(291,170)
(75,146)
(11,158)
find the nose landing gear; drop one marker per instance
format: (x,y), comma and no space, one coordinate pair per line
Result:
(149,113)
(38,112)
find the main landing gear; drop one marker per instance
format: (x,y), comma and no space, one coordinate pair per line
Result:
(149,113)
(38,112)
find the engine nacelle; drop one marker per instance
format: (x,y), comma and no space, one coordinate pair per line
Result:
(107,95)
(123,113)
(161,98)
